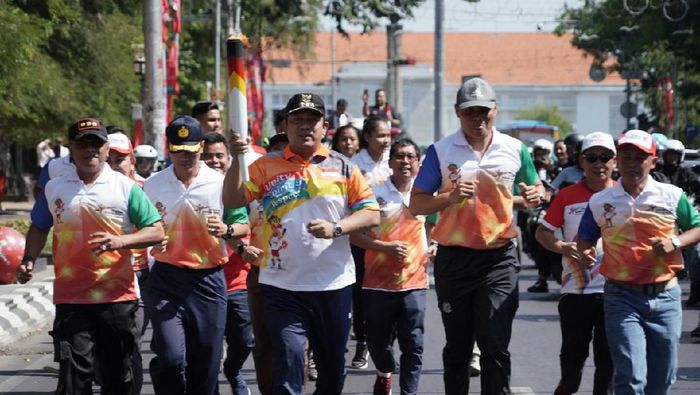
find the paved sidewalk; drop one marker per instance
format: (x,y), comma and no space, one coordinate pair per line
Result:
(26,307)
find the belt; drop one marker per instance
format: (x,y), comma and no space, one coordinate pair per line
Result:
(647,289)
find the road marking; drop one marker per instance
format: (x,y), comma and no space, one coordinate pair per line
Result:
(522,390)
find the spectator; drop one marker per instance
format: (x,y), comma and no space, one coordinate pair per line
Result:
(346,140)
(380,109)
(209,116)
(340,116)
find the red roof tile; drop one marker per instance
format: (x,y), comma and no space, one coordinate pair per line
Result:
(501,58)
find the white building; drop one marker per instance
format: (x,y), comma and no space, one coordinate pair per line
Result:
(526,69)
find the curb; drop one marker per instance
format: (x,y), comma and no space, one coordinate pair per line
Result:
(26,307)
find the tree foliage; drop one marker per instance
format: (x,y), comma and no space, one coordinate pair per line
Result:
(657,39)
(548,114)
(65,59)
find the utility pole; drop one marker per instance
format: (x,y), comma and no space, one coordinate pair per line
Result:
(439,67)
(154,108)
(217,49)
(394,31)
(334,98)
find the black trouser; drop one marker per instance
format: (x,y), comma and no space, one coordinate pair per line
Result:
(548,263)
(477,294)
(358,311)
(582,320)
(95,341)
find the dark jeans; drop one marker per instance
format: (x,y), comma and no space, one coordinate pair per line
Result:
(262,352)
(477,294)
(582,319)
(358,312)
(239,339)
(95,341)
(403,312)
(188,315)
(323,319)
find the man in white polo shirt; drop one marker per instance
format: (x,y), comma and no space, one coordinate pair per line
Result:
(186,286)
(94,212)
(469,178)
(637,221)
(581,302)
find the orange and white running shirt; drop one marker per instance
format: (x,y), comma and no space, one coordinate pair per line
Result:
(374,172)
(627,224)
(184,212)
(112,204)
(485,221)
(292,192)
(387,272)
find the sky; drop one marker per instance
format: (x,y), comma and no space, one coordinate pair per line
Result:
(488,16)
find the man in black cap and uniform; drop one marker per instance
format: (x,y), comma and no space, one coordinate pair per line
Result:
(186,286)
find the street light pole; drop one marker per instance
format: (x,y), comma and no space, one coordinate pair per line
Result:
(439,67)
(154,103)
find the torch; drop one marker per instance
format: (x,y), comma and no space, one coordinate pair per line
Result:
(236,105)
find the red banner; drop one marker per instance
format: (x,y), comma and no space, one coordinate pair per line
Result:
(254,92)
(668,102)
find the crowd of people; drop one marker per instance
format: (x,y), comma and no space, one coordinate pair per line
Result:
(283,254)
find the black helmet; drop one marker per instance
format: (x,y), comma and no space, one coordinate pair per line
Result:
(572,140)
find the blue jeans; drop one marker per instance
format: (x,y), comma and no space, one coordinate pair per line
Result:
(405,312)
(322,318)
(643,334)
(239,339)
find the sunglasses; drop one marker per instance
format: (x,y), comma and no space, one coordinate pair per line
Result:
(595,158)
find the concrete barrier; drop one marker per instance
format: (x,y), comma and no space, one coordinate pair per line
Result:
(26,307)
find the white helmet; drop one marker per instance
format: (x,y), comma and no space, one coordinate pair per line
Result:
(145,151)
(543,144)
(677,146)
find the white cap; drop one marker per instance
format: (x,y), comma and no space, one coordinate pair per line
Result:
(543,144)
(145,151)
(120,143)
(598,139)
(639,139)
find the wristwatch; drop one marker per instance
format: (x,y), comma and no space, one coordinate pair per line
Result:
(676,242)
(229,232)
(337,230)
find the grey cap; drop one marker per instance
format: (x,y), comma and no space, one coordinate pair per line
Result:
(476,92)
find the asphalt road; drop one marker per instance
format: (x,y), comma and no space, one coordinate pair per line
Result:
(26,367)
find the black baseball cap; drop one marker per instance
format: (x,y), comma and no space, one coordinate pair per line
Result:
(305,101)
(85,127)
(184,134)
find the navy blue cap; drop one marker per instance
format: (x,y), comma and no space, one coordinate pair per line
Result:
(184,134)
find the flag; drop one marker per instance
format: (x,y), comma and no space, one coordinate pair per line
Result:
(254,93)
(668,102)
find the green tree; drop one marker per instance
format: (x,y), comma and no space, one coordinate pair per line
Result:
(548,114)
(66,59)
(655,39)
